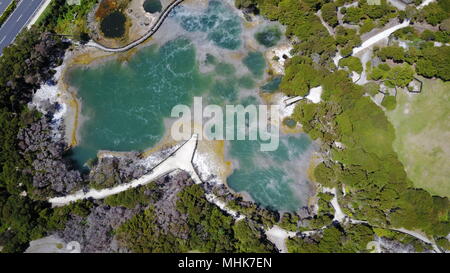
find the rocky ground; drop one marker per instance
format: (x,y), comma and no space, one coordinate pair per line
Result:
(168,217)
(111,171)
(95,232)
(392,246)
(52,173)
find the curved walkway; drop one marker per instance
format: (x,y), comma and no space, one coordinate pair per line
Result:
(181,159)
(152,31)
(368,43)
(380,36)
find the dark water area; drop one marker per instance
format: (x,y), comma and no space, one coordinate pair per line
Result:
(290,123)
(272,85)
(152,6)
(113,25)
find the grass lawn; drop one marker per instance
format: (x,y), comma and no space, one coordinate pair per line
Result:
(422,127)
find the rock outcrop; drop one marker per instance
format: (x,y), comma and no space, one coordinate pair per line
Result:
(94,233)
(111,171)
(51,172)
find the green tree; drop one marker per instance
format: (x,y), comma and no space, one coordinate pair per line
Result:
(389,102)
(400,75)
(329,14)
(299,78)
(353,64)
(249,238)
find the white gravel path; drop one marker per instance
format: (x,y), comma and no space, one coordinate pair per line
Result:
(380,36)
(278,236)
(179,160)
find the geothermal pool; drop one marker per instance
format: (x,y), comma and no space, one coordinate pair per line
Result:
(203,50)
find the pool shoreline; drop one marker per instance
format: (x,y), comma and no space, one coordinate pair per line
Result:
(213,156)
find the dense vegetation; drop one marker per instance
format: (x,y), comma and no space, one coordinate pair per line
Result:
(429,61)
(142,195)
(434,13)
(352,63)
(377,187)
(206,228)
(364,13)
(399,75)
(68,19)
(301,22)
(389,102)
(23,67)
(301,75)
(346,39)
(264,217)
(329,14)
(351,239)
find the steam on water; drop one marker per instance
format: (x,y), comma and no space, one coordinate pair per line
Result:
(203,49)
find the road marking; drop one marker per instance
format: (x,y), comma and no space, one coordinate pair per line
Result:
(2,39)
(21,7)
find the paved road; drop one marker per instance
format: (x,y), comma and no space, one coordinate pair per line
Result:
(17,21)
(3,5)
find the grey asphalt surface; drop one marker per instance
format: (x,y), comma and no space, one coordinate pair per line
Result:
(17,21)
(3,5)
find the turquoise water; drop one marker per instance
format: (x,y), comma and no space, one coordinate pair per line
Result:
(125,103)
(256,63)
(225,69)
(271,178)
(222,26)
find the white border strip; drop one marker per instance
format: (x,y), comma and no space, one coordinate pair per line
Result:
(38,13)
